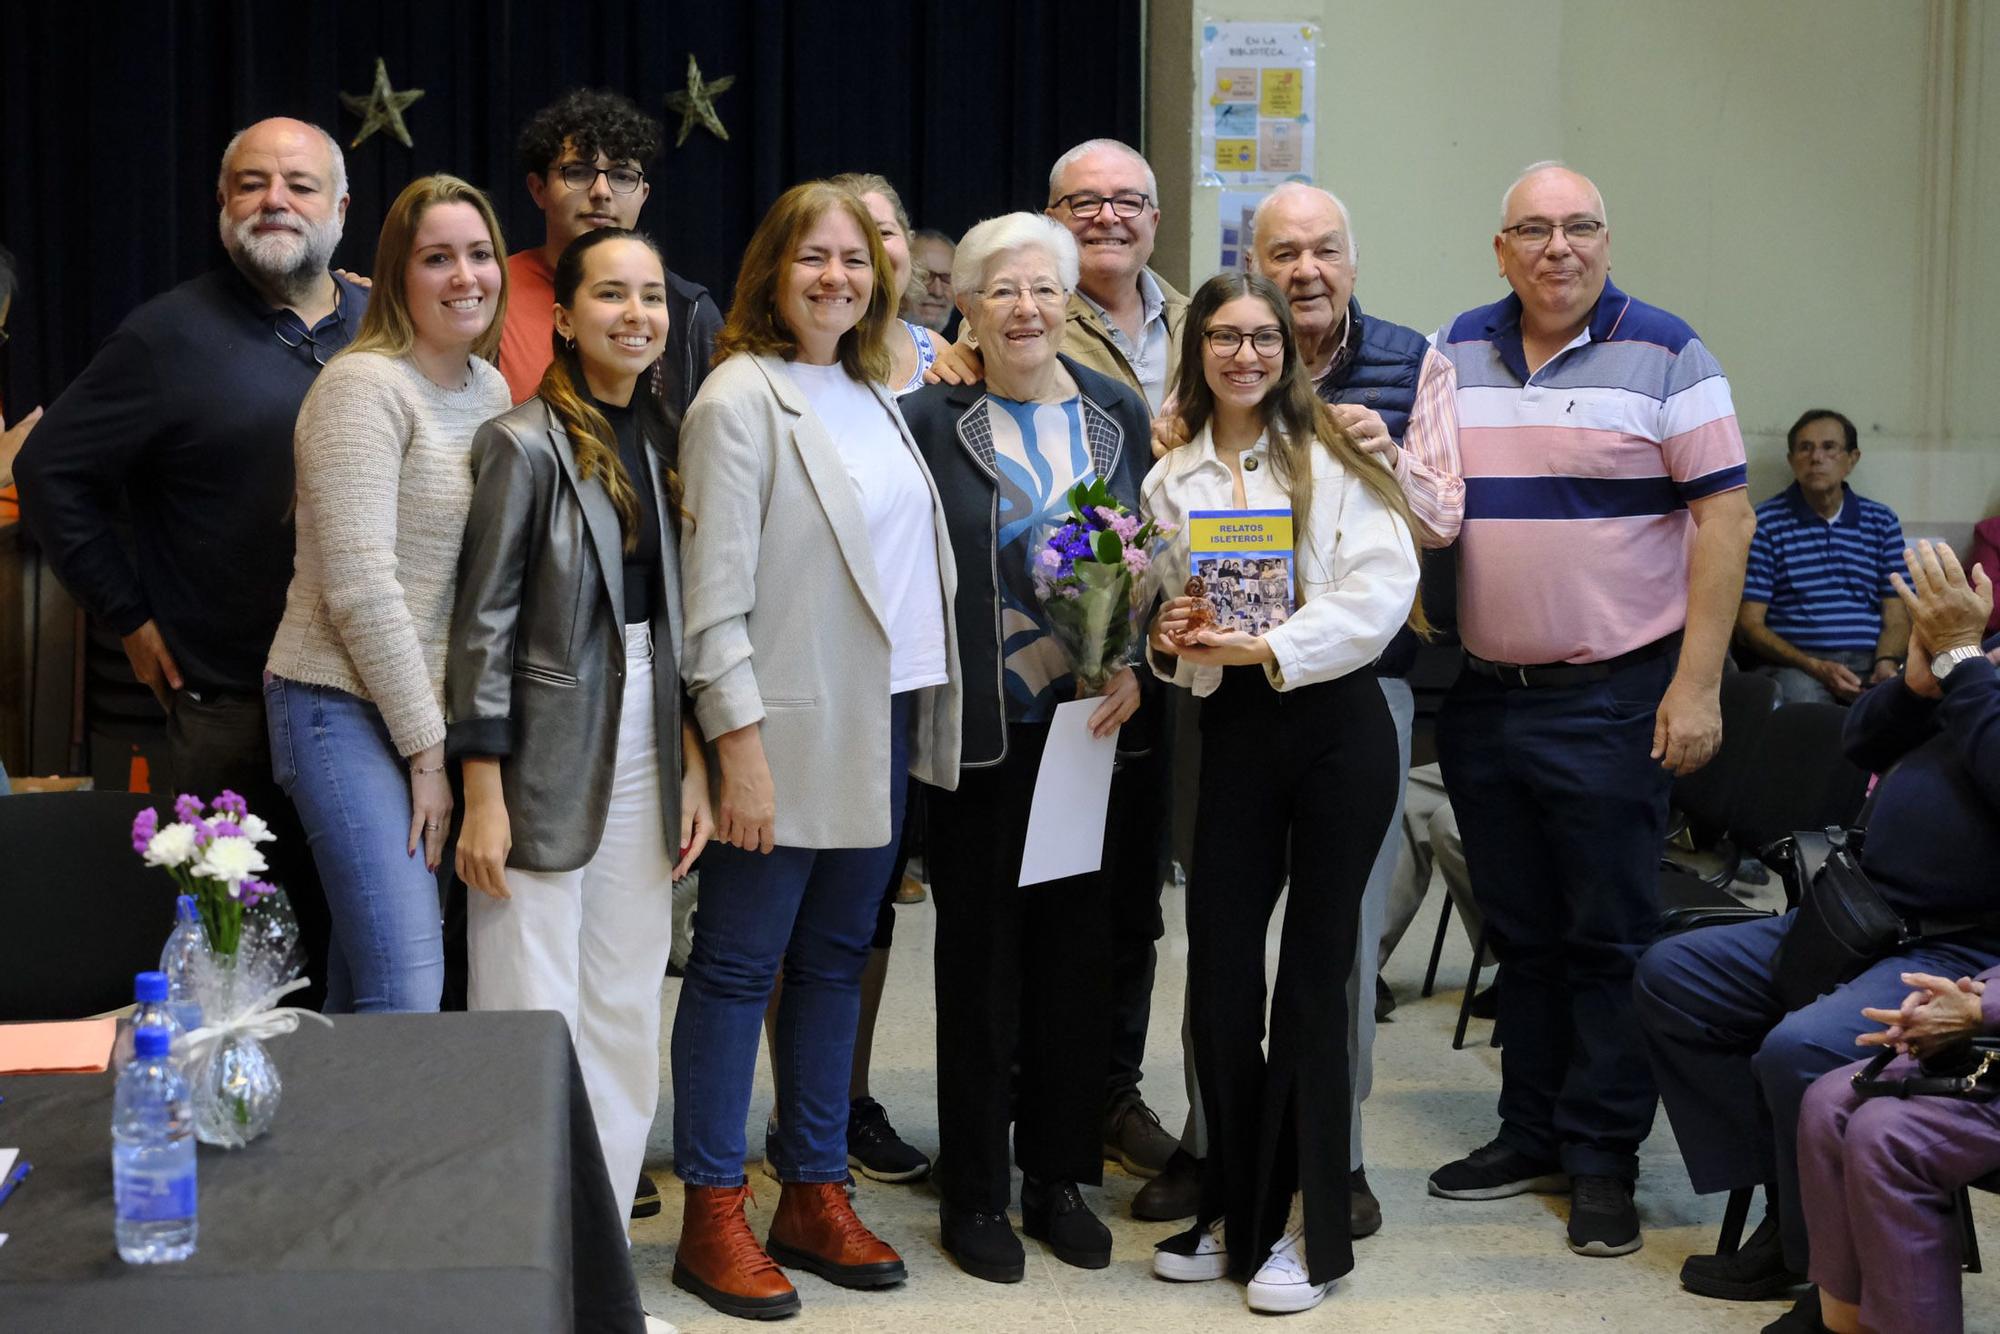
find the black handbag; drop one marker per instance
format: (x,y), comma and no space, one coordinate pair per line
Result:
(1969,1069)
(1842,924)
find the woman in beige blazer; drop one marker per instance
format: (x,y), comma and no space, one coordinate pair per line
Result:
(822,665)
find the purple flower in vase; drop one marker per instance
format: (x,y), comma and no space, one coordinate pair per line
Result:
(254,892)
(144,825)
(228,803)
(226,829)
(187,808)
(204,832)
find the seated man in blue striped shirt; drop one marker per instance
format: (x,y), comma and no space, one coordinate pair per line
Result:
(1818,609)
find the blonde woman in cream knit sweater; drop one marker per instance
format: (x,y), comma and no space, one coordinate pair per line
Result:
(355,681)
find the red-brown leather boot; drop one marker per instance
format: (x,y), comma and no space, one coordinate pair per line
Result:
(815,1229)
(720,1261)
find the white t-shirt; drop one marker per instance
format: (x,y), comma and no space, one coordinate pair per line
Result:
(896,501)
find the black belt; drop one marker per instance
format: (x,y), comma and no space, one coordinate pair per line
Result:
(1546,674)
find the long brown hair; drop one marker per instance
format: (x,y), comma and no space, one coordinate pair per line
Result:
(1294,414)
(387,327)
(754,325)
(564,388)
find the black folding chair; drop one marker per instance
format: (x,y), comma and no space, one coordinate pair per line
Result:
(83,912)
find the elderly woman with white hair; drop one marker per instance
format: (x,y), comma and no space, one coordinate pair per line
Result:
(1020,972)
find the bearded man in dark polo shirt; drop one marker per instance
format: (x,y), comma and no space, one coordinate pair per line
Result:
(184,417)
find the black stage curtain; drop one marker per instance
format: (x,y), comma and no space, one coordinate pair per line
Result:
(113,118)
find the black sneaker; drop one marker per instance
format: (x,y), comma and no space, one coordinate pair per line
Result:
(874,1146)
(1603,1220)
(1494,1172)
(1364,1211)
(646,1199)
(1054,1212)
(1174,1193)
(983,1244)
(1134,1139)
(1755,1273)
(1486,1005)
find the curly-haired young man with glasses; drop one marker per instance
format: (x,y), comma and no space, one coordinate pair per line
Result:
(585,159)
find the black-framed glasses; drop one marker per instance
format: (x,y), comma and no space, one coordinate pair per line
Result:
(301,338)
(583,175)
(1267,341)
(1535,235)
(1083,205)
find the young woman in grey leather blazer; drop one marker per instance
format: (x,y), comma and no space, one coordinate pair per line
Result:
(586,795)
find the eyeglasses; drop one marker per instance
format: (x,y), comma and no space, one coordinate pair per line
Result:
(301,338)
(1084,205)
(1002,295)
(582,175)
(1268,341)
(1535,235)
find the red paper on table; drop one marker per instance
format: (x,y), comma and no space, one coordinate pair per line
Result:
(78,1047)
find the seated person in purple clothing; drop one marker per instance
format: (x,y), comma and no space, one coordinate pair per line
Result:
(1878,1175)
(1817,608)
(1733,1066)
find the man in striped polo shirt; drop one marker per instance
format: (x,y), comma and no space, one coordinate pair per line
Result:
(1600,563)
(1818,607)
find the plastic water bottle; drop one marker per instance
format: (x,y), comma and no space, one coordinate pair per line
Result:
(150,990)
(177,961)
(152,1155)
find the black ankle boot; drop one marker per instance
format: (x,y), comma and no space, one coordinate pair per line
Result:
(1054,1212)
(1756,1273)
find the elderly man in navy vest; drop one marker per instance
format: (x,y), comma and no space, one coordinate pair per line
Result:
(1394,395)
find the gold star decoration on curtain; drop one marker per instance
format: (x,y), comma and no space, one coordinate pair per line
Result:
(381,108)
(697,103)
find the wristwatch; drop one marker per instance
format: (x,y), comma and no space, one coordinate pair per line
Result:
(1942,663)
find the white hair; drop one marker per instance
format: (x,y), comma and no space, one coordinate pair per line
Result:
(332,150)
(1089,146)
(990,239)
(1553,164)
(1295,187)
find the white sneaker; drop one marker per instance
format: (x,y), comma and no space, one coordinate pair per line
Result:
(1282,1285)
(1194,1256)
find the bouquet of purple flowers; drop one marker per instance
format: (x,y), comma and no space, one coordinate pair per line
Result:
(212,855)
(1087,574)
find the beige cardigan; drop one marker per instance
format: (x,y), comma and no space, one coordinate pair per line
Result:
(784,621)
(384,485)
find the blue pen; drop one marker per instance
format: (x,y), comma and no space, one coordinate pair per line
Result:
(15,1178)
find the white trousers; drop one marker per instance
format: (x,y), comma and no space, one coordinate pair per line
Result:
(592,943)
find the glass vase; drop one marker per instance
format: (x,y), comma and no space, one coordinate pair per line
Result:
(236,1094)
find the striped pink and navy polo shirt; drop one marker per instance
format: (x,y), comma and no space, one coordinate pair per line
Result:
(1577,534)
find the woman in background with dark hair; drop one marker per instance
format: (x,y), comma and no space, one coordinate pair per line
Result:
(585,792)
(1295,706)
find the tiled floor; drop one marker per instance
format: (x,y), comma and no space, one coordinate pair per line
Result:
(1436,1265)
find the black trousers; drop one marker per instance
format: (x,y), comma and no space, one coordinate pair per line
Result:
(1306,781)
(1135,857)
(218,741)
(1020,976)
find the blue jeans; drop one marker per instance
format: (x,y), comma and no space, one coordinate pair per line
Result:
(813,910)
(331,753)
(1563,812)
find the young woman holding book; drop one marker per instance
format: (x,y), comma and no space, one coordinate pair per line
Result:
(1298,776)
(354,693)
(585,791)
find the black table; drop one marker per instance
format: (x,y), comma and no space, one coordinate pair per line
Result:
(425,1172)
